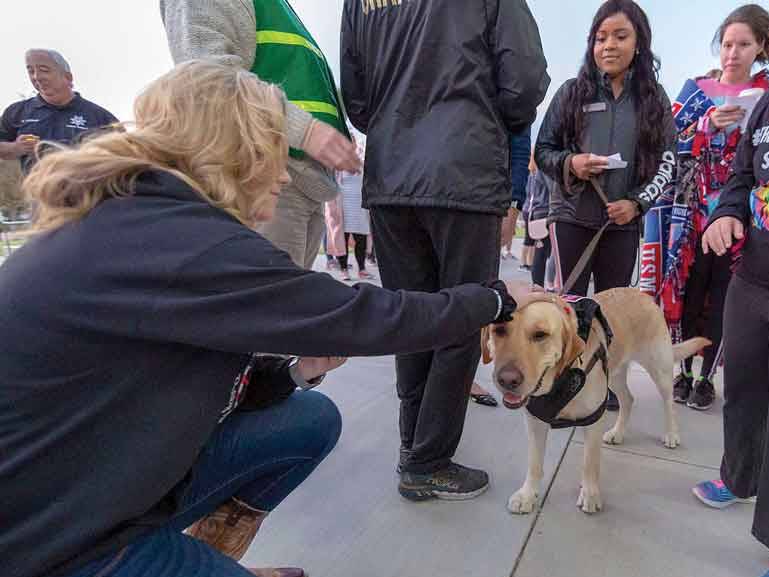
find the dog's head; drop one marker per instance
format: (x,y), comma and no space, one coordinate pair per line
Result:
(531,350)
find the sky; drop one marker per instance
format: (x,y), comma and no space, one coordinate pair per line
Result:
(116,47)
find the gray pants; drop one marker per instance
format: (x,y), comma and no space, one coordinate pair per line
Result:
(746,394)
(297,226)
(428,249)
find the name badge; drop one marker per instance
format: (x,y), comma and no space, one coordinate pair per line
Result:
(594,107)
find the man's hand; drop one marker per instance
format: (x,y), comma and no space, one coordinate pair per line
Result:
(26,144)
(312,367)
(622,211)
(724,116)
(718,236)
(586,165)
(331,148)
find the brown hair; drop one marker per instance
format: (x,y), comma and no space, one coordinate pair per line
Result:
(757,19)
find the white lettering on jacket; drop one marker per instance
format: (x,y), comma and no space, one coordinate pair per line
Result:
(761,136)
(661,180)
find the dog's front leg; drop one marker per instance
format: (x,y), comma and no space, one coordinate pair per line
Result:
(590,495)
(525,499)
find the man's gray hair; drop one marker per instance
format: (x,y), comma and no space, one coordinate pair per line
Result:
(58,59)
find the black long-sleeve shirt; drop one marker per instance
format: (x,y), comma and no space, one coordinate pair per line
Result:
(120,337)
(746,195)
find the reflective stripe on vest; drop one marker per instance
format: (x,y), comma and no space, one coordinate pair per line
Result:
(275,37)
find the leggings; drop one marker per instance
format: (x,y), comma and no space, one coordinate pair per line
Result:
(746,398)
(360,251)
(541,254)
(612,264)
(708,281)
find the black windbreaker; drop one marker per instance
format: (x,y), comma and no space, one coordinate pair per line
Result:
(437,86)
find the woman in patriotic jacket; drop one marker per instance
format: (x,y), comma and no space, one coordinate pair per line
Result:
(693,287)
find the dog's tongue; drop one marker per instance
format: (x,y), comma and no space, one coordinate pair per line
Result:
(512,401)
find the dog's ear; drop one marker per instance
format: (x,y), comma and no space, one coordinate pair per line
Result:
(573,345)
(486,345)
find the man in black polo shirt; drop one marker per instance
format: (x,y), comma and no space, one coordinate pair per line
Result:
(57,113)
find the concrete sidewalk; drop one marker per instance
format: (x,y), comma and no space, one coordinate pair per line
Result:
(348,520)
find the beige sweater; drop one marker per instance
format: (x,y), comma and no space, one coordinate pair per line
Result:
(225,30)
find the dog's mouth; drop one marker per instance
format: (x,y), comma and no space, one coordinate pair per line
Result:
(513,401)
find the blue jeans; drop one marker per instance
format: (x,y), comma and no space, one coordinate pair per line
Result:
(258,457)
(520,154)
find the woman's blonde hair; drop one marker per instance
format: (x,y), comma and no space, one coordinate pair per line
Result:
(218,128)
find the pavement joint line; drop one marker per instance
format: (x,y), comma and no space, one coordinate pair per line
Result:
(656,457)
(541,505)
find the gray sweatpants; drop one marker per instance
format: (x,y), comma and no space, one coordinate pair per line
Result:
(745,465)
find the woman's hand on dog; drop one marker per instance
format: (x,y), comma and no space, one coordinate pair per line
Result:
(525,293)
(312,367)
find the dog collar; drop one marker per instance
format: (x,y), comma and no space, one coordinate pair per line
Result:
(570,382)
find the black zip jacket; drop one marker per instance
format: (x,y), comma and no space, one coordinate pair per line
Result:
(121,336)
(611,127)
(437,86)
(746,196)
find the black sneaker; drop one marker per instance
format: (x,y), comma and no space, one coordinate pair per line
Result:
(682,388)
(703,396)
(454,483)
(612,403)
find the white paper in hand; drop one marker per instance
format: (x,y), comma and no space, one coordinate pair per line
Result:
(615,161)
(747,100)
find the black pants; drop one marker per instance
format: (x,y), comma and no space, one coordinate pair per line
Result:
(428,249)
(360,251)
(539,266)
(612,264)
(746,395)
(708,278)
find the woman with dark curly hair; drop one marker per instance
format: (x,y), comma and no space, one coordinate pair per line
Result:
(614,106)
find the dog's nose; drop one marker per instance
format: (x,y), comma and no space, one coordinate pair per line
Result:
(510,377)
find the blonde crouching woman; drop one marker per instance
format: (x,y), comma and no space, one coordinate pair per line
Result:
(131,406)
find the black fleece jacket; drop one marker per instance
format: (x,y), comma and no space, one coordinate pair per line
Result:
(121,336)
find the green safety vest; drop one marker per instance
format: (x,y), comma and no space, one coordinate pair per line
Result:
(287,55)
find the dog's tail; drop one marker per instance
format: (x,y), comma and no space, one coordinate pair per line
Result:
(689,347)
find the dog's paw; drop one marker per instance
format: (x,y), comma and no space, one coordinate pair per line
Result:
(589,500)
(522,502)
(613,437)
(671,440)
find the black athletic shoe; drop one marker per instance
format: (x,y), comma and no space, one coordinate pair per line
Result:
(703,395)
(612,403)
(682,388)
(454,483)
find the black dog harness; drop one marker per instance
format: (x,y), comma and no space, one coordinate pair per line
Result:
(568,384)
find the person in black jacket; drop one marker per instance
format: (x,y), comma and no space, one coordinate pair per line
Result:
(614,106)
(132,404)
(743,213)
(437,102)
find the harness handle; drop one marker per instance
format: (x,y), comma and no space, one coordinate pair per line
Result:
(590,249)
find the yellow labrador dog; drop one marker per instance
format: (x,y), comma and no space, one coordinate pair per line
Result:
(541,343)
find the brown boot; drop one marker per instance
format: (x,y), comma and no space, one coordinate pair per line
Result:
(278,572)
(230,529)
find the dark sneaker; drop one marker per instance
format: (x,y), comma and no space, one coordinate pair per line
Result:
(612,403)
(454,483)
(682,388)
(703,396)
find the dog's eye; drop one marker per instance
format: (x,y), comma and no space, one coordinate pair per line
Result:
(539,336)
(500,330)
